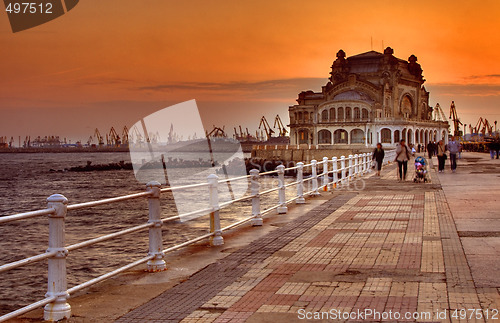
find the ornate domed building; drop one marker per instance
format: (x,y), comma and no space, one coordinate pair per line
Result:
(370,97)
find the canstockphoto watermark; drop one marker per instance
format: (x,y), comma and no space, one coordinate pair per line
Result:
(365,315)
(172,147)
(371,315)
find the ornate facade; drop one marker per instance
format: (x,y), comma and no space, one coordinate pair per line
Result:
(371,97)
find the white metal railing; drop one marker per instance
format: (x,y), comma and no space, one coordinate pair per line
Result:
(56,305)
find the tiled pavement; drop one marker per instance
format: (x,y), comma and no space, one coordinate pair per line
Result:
(391,247)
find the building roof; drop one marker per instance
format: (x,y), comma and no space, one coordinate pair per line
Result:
(353,95)
(370,54)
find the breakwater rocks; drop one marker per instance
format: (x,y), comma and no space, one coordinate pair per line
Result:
(236,166)
(122,165)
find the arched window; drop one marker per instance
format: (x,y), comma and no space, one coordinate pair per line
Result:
(410,136)
(348,113)
(357,136)
(406,106)
(311,117)
(324,115)
(364,114)
(385,135)
(396,136)
(303,137)
(357,114)
(403,134)
(340,114)
(332,114)
(341,136)
(300,118)
(324,137)
(417,136)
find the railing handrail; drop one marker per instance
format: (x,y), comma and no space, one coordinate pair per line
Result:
(358,165)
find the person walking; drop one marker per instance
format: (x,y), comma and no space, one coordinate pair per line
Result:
(430,150)
(441,155)
(402,157)
(495,146)
(378,157)
(454,149)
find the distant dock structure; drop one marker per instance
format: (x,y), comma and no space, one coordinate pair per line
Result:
(371,97)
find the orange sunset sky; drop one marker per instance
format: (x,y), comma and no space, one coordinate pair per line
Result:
(109,63)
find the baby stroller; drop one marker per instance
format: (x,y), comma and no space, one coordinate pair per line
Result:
(420,170)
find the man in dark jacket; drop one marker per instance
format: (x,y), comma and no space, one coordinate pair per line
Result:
(378,156)
(430,149)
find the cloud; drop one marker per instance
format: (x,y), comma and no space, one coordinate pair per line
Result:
(474,89)
(485,76)
(278,86)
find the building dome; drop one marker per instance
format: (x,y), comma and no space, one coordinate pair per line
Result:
(352,96)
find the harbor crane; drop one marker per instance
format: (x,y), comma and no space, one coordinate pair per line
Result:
(216,132)
(114,138)
(241,135)
(99,138)
(456,122)
(281,127)
(267,128)
(171,135)
(154,137)
(438,113)
(487,127)
(479,125)
(125,135)
(135,136)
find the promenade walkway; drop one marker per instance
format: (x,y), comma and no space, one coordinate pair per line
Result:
(386,247)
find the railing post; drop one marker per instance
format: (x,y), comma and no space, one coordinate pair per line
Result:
(368,161)
(300,184)
(343,170)
(325,174)
(356,165)
(216,239)
(282,208)
(314,175)
(335,172)
(365,157)
(57,284)
(155,233)
(350,168)
(254,187)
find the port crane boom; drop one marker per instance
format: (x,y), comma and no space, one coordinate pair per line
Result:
(267,128)
(216,133)
(454,117)
(281,127)
(125,135)
(114,138)
(99,138)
